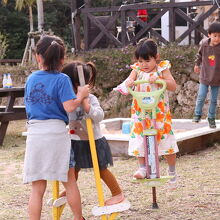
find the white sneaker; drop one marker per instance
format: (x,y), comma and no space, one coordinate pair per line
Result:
(60,201)
(140,173)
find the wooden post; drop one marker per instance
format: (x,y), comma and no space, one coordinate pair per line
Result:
(88,3)
(86,26)
(190,34)
(172,23)
(4,125)
(218,16)
(123,28)
(75,20)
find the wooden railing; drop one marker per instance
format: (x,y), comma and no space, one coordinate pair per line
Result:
(118,16)
(9,61)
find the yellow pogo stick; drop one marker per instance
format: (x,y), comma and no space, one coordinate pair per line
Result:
(101,210)
(57,211)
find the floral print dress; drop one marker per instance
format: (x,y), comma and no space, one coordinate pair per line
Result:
(165,136)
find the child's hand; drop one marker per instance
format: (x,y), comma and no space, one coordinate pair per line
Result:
(196,69)
(129,82)
(83,91)
(152,79)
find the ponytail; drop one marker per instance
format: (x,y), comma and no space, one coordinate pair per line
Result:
(89,71)
(92,75)
(52,50)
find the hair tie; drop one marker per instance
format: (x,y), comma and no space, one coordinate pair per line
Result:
(53,42)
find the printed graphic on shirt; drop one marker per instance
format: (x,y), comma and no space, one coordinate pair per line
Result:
(78,114)
(211,59)
(77,125)
(38,95)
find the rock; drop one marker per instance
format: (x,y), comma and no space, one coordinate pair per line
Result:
(194,76)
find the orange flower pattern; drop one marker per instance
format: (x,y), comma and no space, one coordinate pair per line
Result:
(138,128)
(165,137)
(161,106)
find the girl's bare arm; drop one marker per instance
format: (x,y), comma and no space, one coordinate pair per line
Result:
(170,81)
(72,104)
(129,82)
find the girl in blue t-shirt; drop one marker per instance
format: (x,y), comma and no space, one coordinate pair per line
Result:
(80,151)
(48,97)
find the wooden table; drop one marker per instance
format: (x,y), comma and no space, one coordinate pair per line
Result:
(10,112)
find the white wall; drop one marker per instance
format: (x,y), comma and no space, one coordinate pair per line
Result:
(179,29)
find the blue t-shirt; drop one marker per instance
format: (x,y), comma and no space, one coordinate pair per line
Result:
(45,93)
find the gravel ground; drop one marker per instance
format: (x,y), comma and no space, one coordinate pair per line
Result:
(197,196)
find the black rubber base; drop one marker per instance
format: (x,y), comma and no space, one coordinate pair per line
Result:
(155,206)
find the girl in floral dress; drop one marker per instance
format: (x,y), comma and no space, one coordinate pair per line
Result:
(147,68)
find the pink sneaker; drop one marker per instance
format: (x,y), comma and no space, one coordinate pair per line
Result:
(140,173)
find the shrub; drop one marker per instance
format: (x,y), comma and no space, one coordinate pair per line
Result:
(114,64)
(3,46)
(113,67)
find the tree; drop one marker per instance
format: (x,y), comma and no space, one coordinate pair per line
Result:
(23,3)
(40,15)
(20,4)
(14,24)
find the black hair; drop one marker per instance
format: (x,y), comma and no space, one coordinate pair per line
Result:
(146,49)
(52,50)
(214,28)
(89,71)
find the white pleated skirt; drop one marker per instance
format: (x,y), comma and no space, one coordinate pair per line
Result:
(47,152)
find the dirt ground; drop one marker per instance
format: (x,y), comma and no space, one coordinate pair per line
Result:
(196,198)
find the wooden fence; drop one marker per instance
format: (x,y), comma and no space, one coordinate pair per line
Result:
(116,30)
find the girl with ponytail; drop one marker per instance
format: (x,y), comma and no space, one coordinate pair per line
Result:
(80,151)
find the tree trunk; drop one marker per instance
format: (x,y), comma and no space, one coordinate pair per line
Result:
(40,15)
(31,19)
(32,47)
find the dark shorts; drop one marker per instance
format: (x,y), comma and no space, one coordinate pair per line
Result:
(81,154)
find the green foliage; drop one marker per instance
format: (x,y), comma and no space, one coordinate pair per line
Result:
(3,45)
(23,3)
(112,64)
(58,18)
(181,57)
(14,25)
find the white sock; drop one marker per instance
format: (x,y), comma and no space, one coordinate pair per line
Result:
(172,168)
